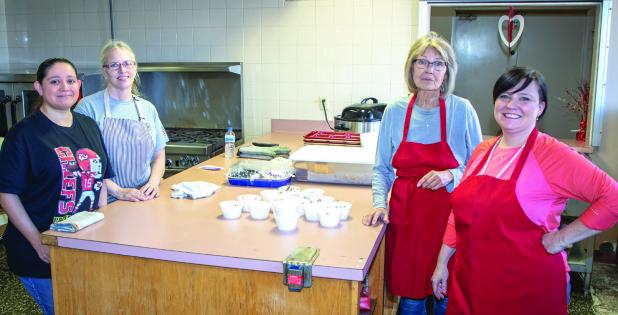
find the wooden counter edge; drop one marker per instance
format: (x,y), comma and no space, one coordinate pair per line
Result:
(49,240)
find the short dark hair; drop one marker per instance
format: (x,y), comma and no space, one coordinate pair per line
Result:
(513,76)
(44,67)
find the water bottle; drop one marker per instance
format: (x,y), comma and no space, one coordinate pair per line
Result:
(230,143)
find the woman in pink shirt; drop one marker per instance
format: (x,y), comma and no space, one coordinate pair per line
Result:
(508,254)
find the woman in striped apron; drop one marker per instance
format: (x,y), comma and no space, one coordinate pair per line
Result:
(133,133)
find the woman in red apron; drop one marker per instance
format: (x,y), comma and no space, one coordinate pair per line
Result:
(509,256)
(424,141)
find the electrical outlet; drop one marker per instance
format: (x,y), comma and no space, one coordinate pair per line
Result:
(322,103)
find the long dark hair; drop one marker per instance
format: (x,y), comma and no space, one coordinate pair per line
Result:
(512,77)
(44,67)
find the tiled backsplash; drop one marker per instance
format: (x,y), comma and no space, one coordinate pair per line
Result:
(293,51)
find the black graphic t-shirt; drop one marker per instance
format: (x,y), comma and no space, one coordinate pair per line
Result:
(56,172)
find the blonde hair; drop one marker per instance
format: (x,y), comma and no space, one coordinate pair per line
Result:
(435,41)
(118,44)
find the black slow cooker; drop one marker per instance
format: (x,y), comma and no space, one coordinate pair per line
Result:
(361,117)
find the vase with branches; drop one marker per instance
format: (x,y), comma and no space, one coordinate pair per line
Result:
(577,101)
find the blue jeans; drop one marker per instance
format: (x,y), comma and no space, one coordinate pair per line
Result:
(40,289)
(413,306)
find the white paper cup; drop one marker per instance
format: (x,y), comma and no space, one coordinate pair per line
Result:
(231,209)
(259,210)
(247,199)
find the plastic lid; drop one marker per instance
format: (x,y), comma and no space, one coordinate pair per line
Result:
(229,129)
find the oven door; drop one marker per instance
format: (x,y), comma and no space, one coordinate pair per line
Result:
(5,113)
(30,102)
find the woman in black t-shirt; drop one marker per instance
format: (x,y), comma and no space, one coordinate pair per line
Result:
(52,165)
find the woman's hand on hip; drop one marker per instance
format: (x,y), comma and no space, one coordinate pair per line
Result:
(375,216)
(552,242)
(131,194)
(435,180)
(150,189)
(439,281)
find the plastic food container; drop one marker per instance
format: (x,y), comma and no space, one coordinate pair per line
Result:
(270,183)
(332,164)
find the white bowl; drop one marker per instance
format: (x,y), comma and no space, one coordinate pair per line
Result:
(272,195)
(312,192)
(247,199)
(286,220)
(323,199)
(329,217)
(259,210)
(343,207)
(285,205)
(231,209)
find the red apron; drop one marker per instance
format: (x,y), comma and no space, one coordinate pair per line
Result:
(501,266)
(417,216)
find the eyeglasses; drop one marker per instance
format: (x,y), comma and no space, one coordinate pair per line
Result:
(438,65)
(127,64)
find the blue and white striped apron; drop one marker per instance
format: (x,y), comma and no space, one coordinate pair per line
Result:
(130,147)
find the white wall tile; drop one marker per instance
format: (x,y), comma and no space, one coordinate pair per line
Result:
(168,5)
(138,5)
(252,53)
(217,36)
(201,4)
(270,35)
(74,5)
(185,37)
(234,17)
(234,36)
(201,53)
(154,54)
(288,91)
(168,37)
(270,54)
(218,17)
(218,4)
(201,18)
(152,19)
(252,36)
(234,4)
(293,52)
(287,54)
(184,18)
(288,73)
(169,53)
(271,16)
(185,53)
(252,17)
(184,4)
(201,36)
(153,36)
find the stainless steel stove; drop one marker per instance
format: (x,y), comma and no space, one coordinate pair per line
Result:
(196,103)
(188,147)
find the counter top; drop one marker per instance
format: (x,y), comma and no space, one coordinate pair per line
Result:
(194,231)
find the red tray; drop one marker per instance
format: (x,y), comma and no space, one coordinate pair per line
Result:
(332,138)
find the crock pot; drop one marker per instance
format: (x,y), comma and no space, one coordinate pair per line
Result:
(361,117)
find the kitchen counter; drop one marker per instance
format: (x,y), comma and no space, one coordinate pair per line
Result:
(180,256)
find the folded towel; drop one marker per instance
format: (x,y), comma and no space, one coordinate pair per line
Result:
(193,190)
(77,221)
